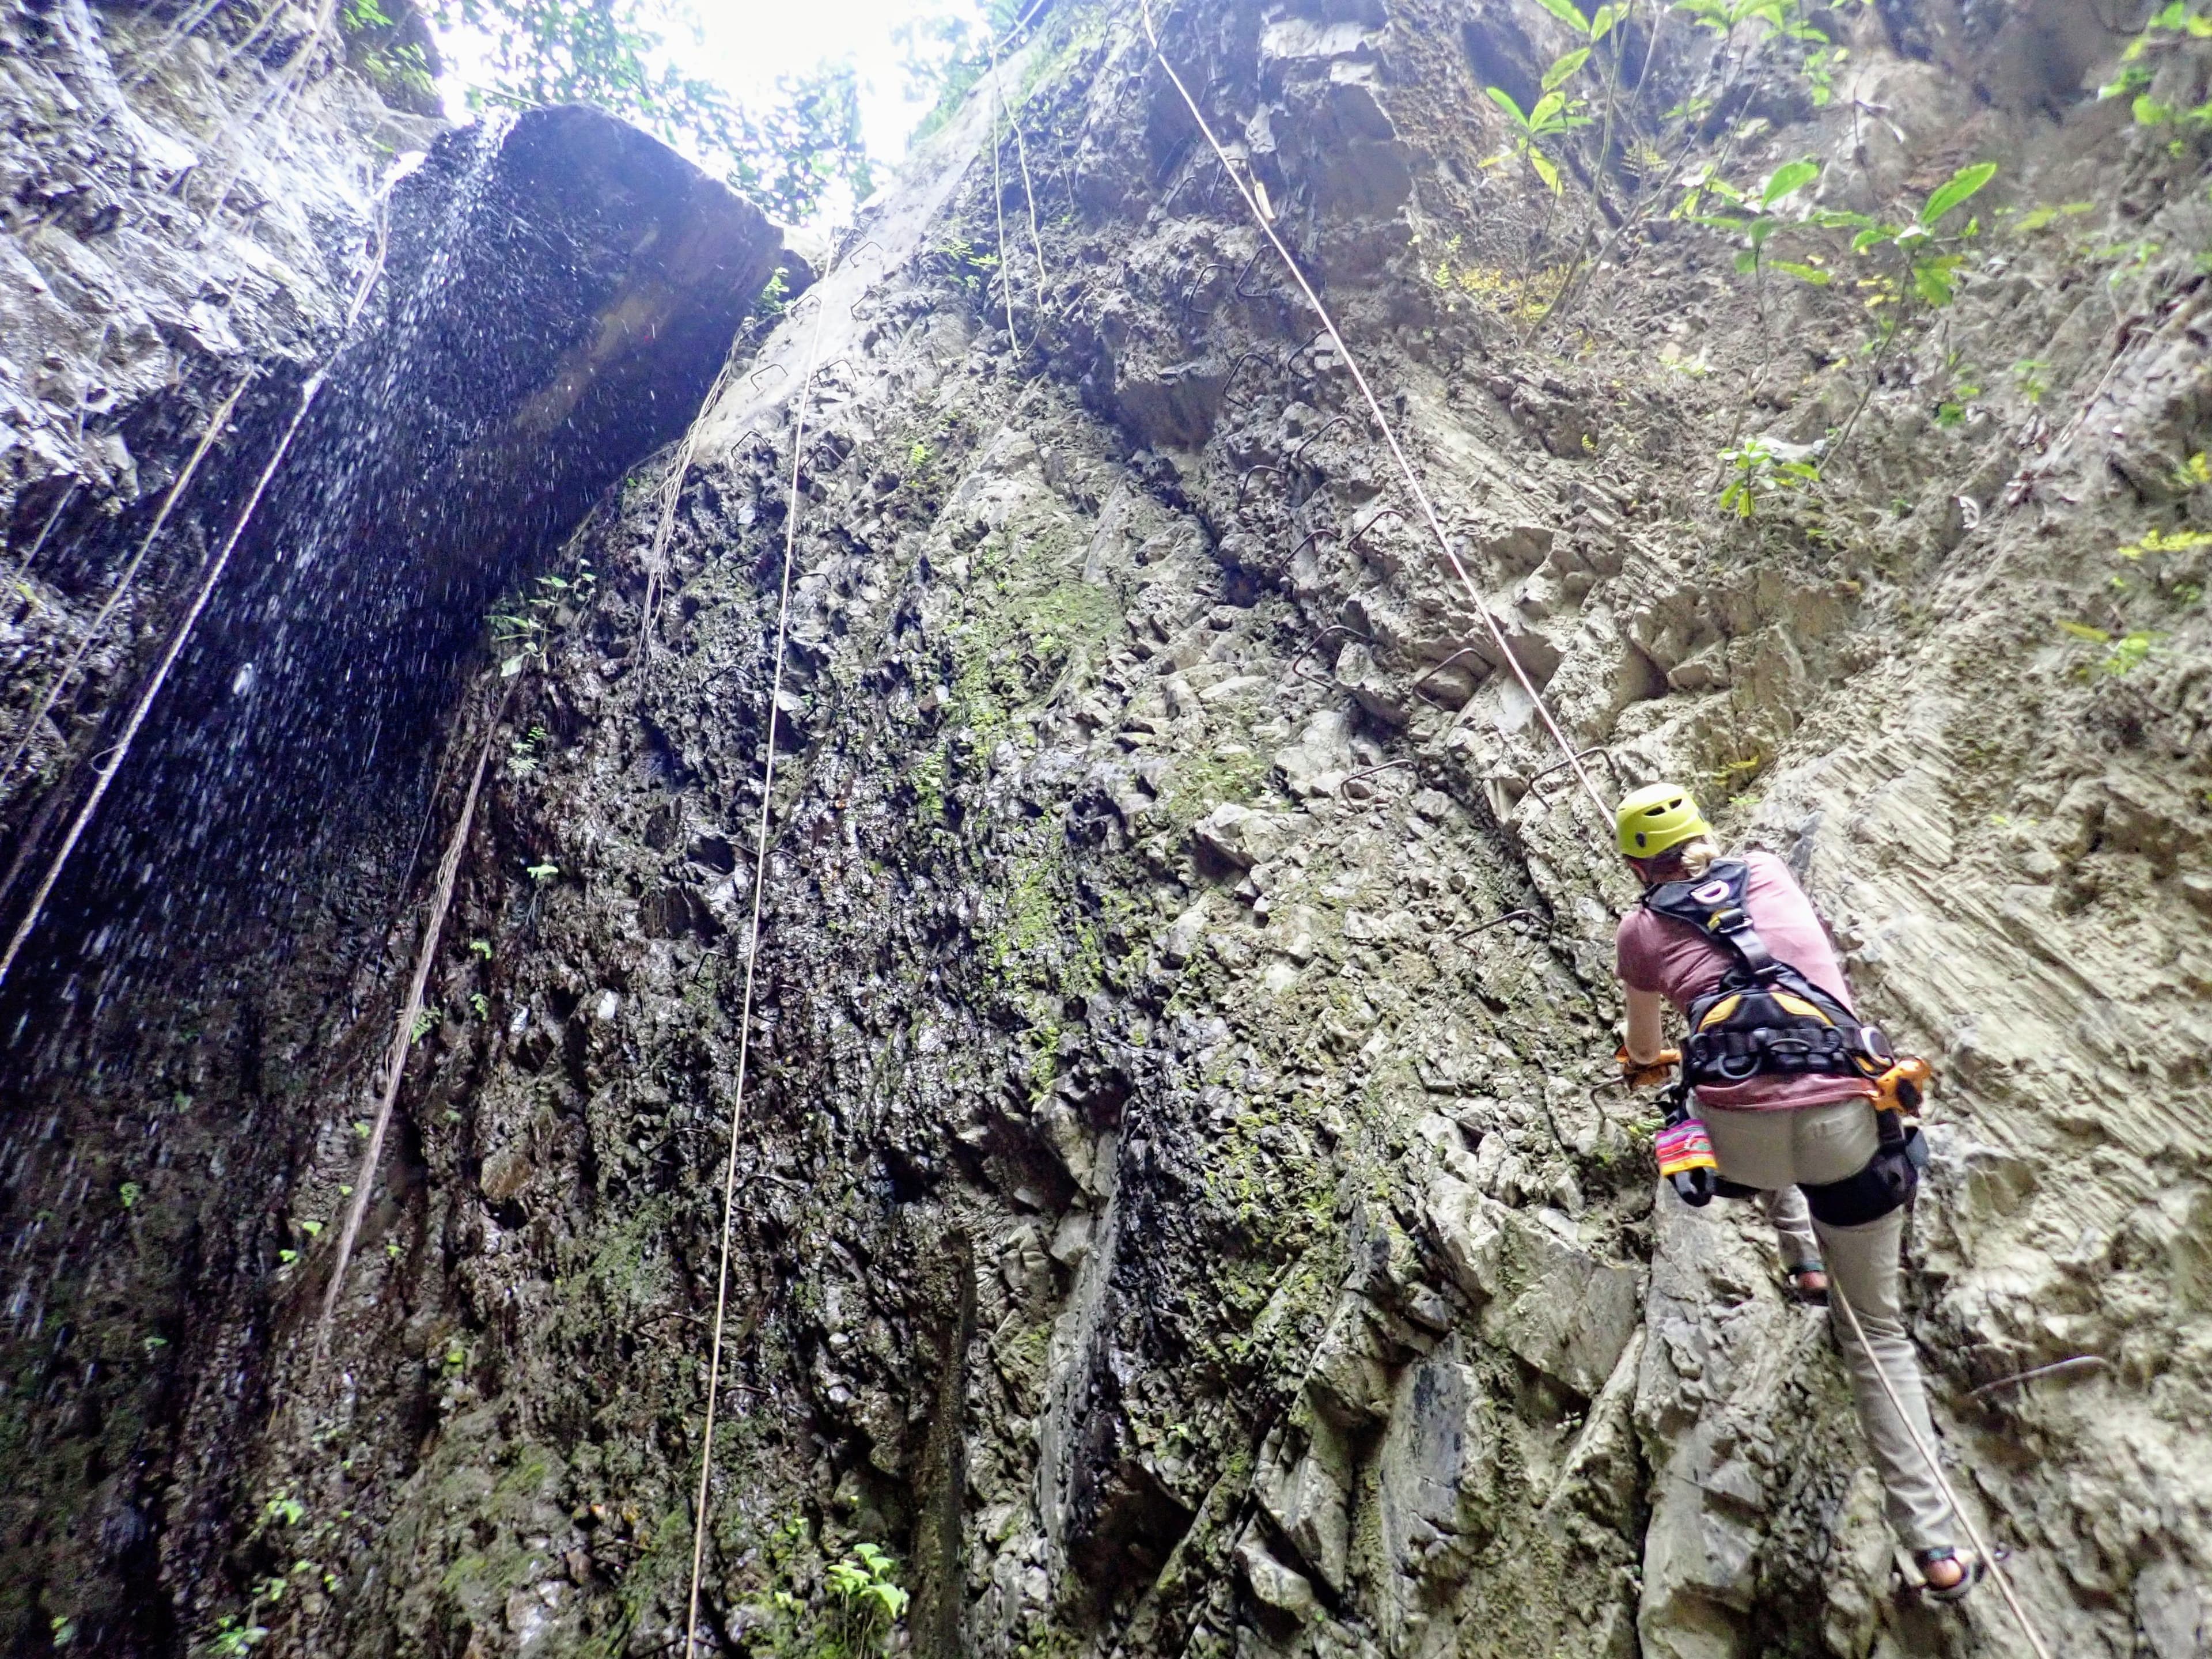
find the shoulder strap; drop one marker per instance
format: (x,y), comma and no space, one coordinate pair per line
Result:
(1713,904)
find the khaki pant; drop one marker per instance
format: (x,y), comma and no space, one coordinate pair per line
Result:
(1775,1150)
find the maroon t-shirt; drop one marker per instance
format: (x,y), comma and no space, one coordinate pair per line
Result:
(1658,954)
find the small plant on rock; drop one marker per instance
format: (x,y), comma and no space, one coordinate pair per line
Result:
(1555,113)
(2172,25)
(2123,654)
(523,757)
(232,1639)
(1759,473)
(1709,200)
(868,1600)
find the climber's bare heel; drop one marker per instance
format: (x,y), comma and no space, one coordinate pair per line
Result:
(1946,1561)
(1808,1283)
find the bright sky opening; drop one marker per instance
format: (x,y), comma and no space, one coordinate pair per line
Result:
(747,44)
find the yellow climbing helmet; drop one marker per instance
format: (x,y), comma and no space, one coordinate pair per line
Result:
(1657,816)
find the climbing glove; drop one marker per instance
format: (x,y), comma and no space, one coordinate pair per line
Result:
(1902,1086)
(1646,1074)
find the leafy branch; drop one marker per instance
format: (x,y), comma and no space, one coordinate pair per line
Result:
(617,55)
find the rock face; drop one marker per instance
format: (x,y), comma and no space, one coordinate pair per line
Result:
(538,306)
(1178,1205)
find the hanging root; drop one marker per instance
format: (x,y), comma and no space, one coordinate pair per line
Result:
(402,1036)
(671,495)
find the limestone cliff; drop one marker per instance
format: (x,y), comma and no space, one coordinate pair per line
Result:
(1180,1204)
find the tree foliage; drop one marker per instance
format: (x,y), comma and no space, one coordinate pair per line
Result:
(617,54)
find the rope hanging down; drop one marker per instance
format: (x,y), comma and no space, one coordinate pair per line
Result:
(403,1035)
(103,776)
(1261,218)
(1935,1468)
(752,959)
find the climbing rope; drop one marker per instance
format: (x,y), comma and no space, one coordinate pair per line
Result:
(998,105)
(998,198)
(1573,758)
(1263,218)
(1935,1468)
(752,958)
(218,423)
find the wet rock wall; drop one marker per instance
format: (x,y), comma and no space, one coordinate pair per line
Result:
(1176,1209)
(538,304)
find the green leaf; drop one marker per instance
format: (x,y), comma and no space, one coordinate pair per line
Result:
(2040,218)
(1789,176)
(1546,106)
(1932,284)
(1961,184)
(1872,237)
(2083,631)
(1803,273)
(1567,13)
(1503,100)
(1544,170)
(1601,23)
(1563,68)
(1746,262)
(2150,112)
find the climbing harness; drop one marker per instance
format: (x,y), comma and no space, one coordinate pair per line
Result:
(1765,1016)
(752,959)
(1765,1019)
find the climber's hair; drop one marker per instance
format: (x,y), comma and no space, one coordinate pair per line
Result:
(1685,862)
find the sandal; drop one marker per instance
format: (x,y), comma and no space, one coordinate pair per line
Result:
(1925,1559)
(1813,1295)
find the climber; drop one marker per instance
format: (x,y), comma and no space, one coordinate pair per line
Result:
(1787,1082)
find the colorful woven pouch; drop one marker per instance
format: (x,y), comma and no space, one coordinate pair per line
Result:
(1685,1147)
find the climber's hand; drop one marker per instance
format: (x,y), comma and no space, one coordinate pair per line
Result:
(1647,1074)
(1695,1187)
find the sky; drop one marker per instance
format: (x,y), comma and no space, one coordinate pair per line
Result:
(746,43)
